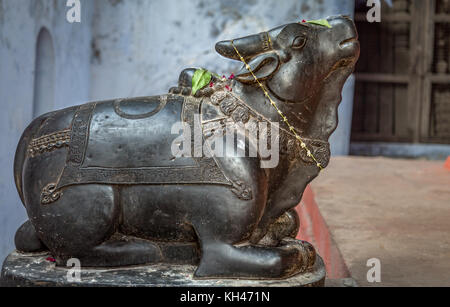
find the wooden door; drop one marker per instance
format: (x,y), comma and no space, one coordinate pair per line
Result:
(403,77)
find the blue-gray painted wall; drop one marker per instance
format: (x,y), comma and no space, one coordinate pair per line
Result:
(122,49)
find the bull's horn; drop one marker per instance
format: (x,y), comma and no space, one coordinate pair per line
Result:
(248,46)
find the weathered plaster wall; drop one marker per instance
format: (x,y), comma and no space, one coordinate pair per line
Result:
(141,46)
(20,23)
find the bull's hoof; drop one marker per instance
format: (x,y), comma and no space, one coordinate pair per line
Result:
(307,253)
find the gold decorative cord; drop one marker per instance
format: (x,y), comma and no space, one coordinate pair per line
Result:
(266,93)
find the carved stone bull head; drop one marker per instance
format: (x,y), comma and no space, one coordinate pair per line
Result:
(294,54)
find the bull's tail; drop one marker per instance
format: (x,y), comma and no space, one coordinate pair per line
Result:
(21,152)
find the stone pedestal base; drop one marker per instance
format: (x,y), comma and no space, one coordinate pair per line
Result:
(21,270)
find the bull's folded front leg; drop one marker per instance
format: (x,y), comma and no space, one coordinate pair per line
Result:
(287,197)
(222,260)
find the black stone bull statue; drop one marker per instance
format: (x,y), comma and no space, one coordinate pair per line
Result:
(100,181)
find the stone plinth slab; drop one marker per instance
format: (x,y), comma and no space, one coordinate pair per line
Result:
(34,270)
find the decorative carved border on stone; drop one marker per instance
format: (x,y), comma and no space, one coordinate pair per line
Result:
(320,150)
(50,194)
(206,170)
(48,143)
(239,112)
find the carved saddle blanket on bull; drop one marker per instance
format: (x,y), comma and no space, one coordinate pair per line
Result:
(130,141)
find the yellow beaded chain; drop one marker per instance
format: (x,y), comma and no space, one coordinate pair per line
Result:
(266,93)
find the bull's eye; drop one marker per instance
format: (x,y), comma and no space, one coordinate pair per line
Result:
(299,42)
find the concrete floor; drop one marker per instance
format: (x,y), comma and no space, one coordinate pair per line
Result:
(395,210)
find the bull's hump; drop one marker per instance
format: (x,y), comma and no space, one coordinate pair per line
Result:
(134,133)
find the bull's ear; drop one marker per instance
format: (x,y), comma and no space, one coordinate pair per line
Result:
(263,67)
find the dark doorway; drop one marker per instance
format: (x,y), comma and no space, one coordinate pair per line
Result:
(403,77)
(44,74)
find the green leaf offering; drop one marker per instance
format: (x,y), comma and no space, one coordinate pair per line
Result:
(200,79)
(320,22)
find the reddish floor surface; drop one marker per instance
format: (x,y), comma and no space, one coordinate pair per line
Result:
(397,211)
(314,229)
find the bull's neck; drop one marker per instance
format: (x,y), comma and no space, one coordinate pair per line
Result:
(299,115)
(325,120)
